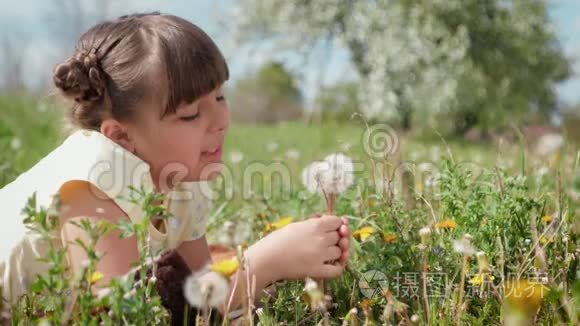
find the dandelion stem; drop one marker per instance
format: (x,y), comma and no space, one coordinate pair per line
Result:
(425,296)
(461,289)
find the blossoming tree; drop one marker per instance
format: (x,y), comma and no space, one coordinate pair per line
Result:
(468,58)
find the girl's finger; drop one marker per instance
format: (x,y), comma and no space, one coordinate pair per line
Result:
(330,271)
(333,253)
(316,215)
(331,238)
(343,244)
(330,223)
(343,231)
(344,258)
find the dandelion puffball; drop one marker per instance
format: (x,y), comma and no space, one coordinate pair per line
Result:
(333,175)
(464,246)
(425,234)
(206,289)
(236,157)
(310,285)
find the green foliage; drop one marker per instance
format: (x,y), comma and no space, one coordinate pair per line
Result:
(503,209)
(55,298)
(338,102)
(271,95)
(29,129)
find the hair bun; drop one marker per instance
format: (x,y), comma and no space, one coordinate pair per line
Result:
(81,78)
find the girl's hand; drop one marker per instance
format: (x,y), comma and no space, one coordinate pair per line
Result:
(344,242)
(302,249)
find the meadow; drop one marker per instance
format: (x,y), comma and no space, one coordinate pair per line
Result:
(445,232)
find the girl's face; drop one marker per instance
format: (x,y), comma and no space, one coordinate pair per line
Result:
(186,145)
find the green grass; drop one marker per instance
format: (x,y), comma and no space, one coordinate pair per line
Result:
(502,208)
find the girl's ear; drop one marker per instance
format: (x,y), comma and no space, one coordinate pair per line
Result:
(118,133)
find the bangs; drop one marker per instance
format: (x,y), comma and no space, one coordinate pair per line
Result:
(194,66)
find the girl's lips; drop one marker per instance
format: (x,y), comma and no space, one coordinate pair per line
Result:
(214,154)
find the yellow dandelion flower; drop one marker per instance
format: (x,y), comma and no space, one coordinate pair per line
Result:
(479,279)
(363,233)
(366,304)
(389,238)
(95,277)
(226,267)
(548,219)
(447,224)
(544,240)
(279,224)
(525,295)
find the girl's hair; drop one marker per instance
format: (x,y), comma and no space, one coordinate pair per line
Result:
(141,58)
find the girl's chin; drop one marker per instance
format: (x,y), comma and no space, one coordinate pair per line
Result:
(210,172)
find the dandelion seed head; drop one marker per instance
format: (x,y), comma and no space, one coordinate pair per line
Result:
(293,154)
(310,176)
(272,146)
(206,289)
(333,175)
(425,232)
(464,246)
(236,157)
(310,285)
(16,143)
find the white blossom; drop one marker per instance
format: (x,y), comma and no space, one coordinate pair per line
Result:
(413,58)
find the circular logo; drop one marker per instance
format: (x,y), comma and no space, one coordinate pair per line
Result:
(373,283)
(380,140)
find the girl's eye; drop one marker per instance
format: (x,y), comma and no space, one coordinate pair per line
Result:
(191,117)
(220,98)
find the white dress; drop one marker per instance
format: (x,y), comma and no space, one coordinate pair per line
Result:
(89,156)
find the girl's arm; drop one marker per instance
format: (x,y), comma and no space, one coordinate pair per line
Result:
(195,253)
(80,201)
(298,250)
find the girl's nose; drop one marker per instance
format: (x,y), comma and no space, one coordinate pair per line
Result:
(220,118)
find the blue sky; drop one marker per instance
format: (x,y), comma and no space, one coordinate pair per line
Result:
(29,24)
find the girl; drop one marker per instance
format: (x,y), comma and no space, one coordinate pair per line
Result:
(149,103)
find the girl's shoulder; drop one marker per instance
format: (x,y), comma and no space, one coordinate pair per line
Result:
(85,156)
